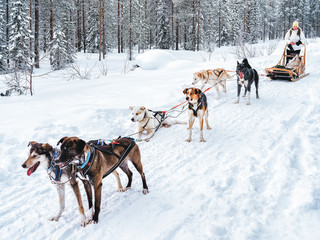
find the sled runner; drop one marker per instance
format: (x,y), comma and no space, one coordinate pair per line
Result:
(282,72)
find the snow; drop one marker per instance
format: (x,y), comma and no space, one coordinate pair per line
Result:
(255,177)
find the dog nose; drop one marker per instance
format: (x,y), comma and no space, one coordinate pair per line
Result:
(24,165)
(132,119)
(187,98)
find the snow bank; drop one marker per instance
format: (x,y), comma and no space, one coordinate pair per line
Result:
(154,59)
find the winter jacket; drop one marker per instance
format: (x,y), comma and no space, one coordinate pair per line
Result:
(296,36)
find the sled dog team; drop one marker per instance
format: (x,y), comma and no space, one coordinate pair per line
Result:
(94,160)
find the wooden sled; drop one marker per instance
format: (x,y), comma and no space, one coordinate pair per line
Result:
(280,72)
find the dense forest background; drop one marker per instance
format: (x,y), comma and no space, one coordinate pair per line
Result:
(58,29)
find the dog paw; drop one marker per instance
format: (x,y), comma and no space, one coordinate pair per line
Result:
(85,223)
(55,218)
(188,140)
(248,103)
(126,189)
(202,140)
(189,128)
(209,128)
(120,190)
(145,191)
(236,102)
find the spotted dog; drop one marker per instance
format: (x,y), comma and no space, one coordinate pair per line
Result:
(197,108)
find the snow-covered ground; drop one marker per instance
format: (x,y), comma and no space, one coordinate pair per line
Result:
(257,176)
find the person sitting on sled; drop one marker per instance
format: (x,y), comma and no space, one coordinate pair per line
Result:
(294,38)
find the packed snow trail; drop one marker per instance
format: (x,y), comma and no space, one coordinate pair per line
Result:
(255,177)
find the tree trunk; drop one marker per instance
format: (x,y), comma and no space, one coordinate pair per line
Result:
(198,37)
(193,26)
(51,26)
(130,31)
(84,28)
(172,24)
(121,31)
(36,34)
(7,27)
(119,24)
(219,26)
(104,47)
(30,22)
(79,25)
(100,28)
(177,30)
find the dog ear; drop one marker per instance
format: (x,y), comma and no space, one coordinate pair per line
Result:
(142,108)
(32,143)
(197,91)
(185,90)
(47,147)
(80,145)
(61,140)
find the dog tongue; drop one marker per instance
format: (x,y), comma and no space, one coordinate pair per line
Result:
(33,168)
(241,75)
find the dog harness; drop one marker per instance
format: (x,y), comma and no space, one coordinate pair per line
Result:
(54,167)
(86,165)
(202,101)
(108,149)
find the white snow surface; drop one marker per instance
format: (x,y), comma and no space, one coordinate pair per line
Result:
(257,176)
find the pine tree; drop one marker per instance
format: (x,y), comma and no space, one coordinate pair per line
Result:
(163,34)
(63,48)
(93,27)
(19,37)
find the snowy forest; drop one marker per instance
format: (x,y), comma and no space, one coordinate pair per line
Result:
(34,29)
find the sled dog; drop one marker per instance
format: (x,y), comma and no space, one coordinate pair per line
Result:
(43,155)
(216,76)
(73,149)
(150,121)
(197,108)
(245,77)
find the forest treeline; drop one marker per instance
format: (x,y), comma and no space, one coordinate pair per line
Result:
(58,29)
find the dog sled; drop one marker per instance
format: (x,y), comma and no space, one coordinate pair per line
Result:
(282,72)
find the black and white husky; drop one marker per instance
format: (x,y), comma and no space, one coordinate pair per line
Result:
(246,75)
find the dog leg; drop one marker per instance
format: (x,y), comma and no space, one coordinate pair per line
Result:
(238,93)
(116,174)
(217,90)
(191,122)
(224,86)
(88,189)
(61,193)
(97,200)
(206,118)
(256,82)
(201,130)
(139,168)
(248,100)
(124,167)
(76,190)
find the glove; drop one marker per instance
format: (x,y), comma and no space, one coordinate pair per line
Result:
(290,47)
(298,43)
